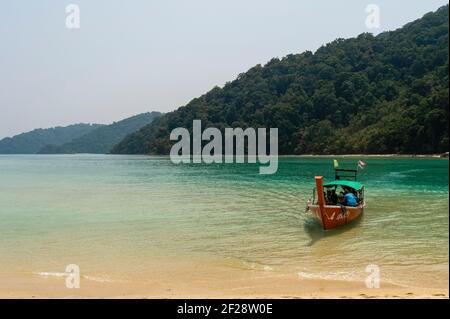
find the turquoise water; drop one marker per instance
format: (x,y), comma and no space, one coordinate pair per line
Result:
(117,216)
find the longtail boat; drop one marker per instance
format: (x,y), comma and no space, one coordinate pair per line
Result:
(323,204)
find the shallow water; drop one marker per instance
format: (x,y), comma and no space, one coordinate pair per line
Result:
(118,216)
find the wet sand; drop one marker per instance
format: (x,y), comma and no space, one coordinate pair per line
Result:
(220,282)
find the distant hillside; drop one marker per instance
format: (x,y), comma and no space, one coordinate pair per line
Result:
(32,142)
(383,94)
(102,139)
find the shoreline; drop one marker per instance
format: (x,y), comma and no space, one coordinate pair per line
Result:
(436,156)
(373,155)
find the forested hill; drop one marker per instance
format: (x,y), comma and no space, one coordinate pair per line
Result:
(383,94)
(102,139)
(31,142)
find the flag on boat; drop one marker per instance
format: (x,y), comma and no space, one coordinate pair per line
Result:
(361,164)
(335,163)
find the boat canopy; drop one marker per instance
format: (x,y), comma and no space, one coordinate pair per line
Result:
(351,184)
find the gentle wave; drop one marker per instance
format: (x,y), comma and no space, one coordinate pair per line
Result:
(338,276)
(51,274)
(103,279)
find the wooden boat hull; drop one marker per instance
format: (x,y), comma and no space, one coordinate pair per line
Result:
(334,216)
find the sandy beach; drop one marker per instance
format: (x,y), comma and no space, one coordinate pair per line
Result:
(212,282)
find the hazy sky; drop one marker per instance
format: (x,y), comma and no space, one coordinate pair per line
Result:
(134,56)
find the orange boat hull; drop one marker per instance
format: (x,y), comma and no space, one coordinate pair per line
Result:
(334,216)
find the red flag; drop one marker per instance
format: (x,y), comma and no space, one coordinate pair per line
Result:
(361,164)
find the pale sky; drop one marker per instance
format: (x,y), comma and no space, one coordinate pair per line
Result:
(135,56)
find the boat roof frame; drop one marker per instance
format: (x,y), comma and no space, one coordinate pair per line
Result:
(347,173)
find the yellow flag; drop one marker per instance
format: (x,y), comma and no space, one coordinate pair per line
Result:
(335,163)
